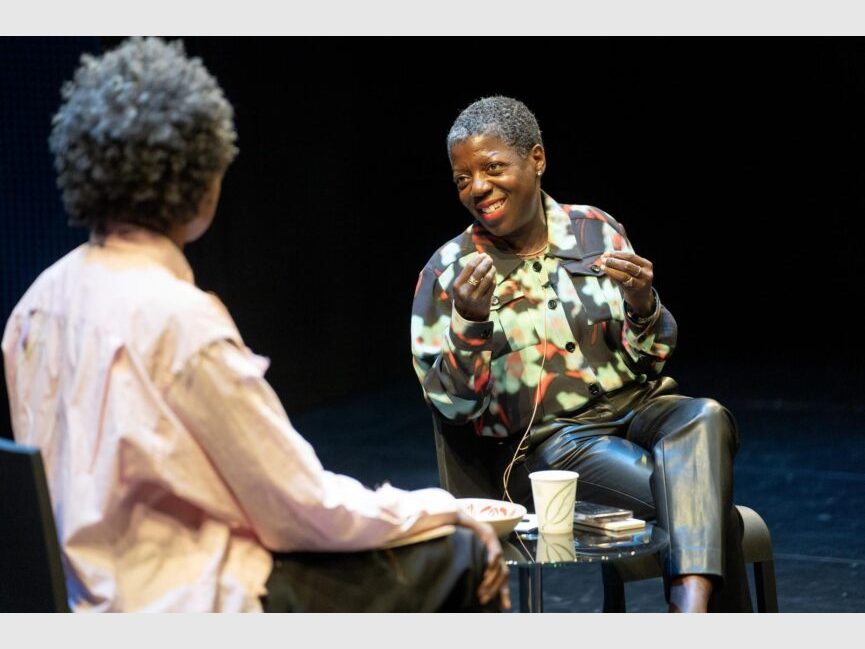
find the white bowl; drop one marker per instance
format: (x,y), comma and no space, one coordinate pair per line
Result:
(501,514)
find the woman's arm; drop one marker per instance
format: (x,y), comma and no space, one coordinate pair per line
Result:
(649,340)
(451,355)
(290,500)
(649,333)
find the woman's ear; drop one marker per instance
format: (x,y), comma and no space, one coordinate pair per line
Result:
(206,211)
(538,158)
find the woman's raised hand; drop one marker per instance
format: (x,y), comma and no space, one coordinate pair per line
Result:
(473,289)
(635,275)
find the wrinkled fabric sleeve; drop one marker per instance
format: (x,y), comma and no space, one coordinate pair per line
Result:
(291,501)
(647,344)
(451,355)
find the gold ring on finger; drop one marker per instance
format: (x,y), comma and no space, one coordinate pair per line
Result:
(473,281)
(629,281)
(639,271)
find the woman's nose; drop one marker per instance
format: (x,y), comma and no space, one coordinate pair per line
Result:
(480,186)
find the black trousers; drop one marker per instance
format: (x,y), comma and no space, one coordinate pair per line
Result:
(438,575)
(667,457)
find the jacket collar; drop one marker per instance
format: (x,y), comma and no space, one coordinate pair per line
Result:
(137,242)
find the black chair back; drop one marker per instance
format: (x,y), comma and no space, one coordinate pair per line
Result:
(31,572)
(463,461)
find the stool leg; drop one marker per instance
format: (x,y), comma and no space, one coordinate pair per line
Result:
(614,589)
(531,589)
(764,581)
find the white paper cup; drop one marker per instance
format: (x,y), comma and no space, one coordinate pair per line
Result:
(556,548)
(554,493)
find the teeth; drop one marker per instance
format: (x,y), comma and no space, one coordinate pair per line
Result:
(493,207)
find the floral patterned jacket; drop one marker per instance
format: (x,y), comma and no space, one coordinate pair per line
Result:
(557,331)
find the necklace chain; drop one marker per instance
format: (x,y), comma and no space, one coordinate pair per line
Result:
(534,252)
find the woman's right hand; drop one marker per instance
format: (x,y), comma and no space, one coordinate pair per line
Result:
(473,289)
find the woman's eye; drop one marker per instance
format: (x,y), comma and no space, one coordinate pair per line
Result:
(495,167)
(461,181)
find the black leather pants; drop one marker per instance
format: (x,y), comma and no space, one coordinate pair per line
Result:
(667,457)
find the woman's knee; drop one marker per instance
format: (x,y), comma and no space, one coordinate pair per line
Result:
(612,471)
(718,421)
(695,426)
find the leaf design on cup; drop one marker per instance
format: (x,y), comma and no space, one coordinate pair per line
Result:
(561,553)
(556,548)
(557,508)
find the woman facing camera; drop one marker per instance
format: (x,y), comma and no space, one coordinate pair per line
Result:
(541,326)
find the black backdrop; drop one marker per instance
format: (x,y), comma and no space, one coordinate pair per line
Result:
(735,164)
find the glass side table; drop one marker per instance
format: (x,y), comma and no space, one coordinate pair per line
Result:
(530,553)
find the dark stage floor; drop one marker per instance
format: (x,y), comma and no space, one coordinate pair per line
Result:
(800,466)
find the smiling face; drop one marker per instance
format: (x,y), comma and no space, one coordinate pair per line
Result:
(500,188)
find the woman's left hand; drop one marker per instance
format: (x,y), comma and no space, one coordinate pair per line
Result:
(634,275)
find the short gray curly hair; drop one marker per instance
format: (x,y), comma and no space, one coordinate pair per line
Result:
(506,118)
(142,132)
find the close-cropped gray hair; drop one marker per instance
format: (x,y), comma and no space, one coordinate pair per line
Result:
(506,118)
(142,132)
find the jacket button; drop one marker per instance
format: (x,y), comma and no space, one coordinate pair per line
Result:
(595,389)
(552,304)
(537,266)
(595,268)
(570,346)
(495,300)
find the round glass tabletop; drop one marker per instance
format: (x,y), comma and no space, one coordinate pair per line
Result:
(580,546)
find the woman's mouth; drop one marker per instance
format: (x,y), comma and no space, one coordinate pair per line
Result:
(492,211)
